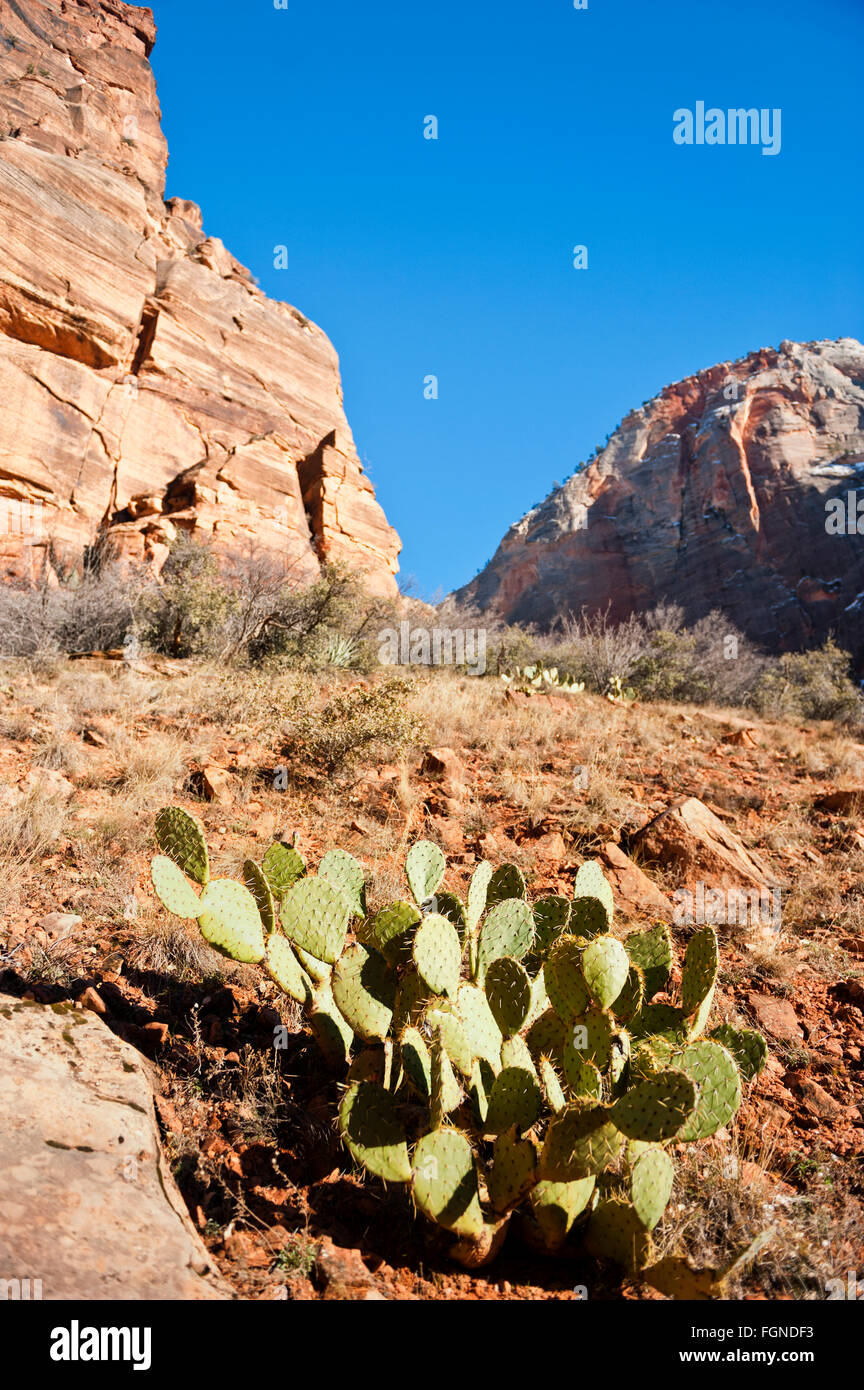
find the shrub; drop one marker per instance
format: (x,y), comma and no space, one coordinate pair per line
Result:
(355,725)
(811,685)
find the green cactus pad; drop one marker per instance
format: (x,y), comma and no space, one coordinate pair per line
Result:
(651,950)
(651,1180)
(391,931)
(319,970)
(508,990)
(514,1171)
(449,906)
(565,983)
(437,953)
(282,866)
(654,1019)
(416,1060)
(230,921)
(556,1205)
(615,1233)
(256,881)
(580,1142)
(368,1065)
(282,966)
(700,970)
(444,1181)
(454,1036)
(605,966)
(411,998)
(173,888)
(314,916)
(589,1039)
(507,931)
(657,1109)
(515,1052)
(477,893)
(425,866)
(364,990)
(582,1077)
(478,1020)
(506,882)
(480,1088)
(551,916)
(181,838)
(748,1047)
(332,1033)
(711,1067)
(539,999)
(373,1133)
(632,996)
(590,881)
(551,1085)
(445,1094)
(515,1099)
(593,905)
(547,1037)
(342,870)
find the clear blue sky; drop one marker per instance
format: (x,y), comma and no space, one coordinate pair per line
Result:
(304,127)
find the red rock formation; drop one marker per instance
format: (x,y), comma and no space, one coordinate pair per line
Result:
(712,495)
(147,385)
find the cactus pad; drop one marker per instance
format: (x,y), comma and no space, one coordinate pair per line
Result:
(391,931)
(514,1170)
(437,954)
(416,1060)
(551,916)
(651,950)
(580,1142)
(515,1099)
(507,931)
(256,881)
(454,1036)
(508,990)
(181,837)
(342,870)
(314,916)
(556,1205)
(565,983)
(658,1108)
(478,1020)
(230,921)
(593,906)
(424,867)
(712,1068)
(444,1180)
(477,892)
(748,1047)
(319,970)
(331,1032)
(700,970)
(631,998)
(616,1233)
(282,866)
(547,1037)
(449,906)
(283,966)
(589,1037)
(506,882)
(651,1179)
(582,1077)
(173,888)
(364,990)
(551,1085)
(605,966)
(373,1132)
(411,997)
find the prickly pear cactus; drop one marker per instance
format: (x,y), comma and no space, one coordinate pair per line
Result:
(503,1062)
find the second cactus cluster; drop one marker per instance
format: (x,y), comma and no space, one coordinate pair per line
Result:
(508,1063)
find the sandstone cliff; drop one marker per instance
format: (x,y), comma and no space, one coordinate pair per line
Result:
(712,495)
(147,385)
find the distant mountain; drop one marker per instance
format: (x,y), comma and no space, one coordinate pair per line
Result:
(716,494)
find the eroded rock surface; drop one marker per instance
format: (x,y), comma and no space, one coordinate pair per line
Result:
(87,1204)
(148,386)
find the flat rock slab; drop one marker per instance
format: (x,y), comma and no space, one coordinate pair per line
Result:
(692,839)
(87,1203)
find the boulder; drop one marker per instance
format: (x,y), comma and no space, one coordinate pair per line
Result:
(695,842)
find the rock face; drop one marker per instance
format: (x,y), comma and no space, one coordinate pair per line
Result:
(148,386)
(712,495)
(88,1206)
